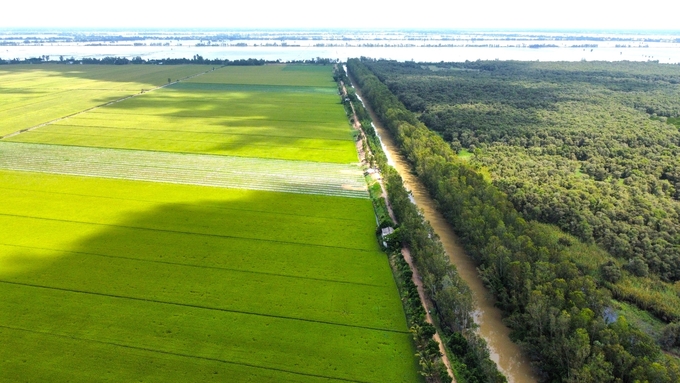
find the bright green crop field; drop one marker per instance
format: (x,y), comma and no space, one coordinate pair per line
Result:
(118,279)
(286,75)
(222,277)
(34,94)
(238,111)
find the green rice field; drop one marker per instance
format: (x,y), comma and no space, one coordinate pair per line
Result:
(36,94)
(225,112)
(176,244)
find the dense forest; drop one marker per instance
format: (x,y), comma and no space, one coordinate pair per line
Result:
(555,291)
(586,146)
(591,147)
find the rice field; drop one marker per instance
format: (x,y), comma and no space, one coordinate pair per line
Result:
(213,230)
(220,277)
(318,76)
(36,94)
(223,112)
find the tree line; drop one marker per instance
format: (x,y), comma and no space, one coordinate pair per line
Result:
(450,295)
(138,60)
(556,307)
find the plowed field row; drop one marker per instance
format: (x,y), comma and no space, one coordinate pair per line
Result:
(192,169)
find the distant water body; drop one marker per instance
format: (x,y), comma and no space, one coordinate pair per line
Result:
(397,46)
(666,55)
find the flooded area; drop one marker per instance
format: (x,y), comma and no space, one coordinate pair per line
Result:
(290,45)
(503,351)
(666,54)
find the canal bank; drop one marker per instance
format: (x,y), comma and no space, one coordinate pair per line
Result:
(507,355)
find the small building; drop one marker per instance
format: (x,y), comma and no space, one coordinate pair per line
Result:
(384,232)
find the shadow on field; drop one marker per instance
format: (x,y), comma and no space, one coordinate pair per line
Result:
(6,91)
(285,118)
(231,233)
(157,75)
(233,122)
(214,282)
(209,253)
(142,75)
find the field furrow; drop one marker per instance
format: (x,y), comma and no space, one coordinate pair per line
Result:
(193,169)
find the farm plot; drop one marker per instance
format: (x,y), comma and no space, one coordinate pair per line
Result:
(222,171)
(209,272)
(317,76)
(242,284)
(34,94)
(283,121)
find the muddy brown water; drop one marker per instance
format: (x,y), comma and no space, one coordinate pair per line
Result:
(507,355)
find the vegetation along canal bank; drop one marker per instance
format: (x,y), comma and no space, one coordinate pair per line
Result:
(488,319)
(551,287)
(424,260)
(432,353)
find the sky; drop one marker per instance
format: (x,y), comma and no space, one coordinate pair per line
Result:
(367,14)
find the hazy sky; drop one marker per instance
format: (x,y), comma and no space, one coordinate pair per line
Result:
(454,14)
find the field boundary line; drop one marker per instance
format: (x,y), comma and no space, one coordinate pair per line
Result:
(99,106)
(182,232)
(153,350)
(196,266)
(200,307)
